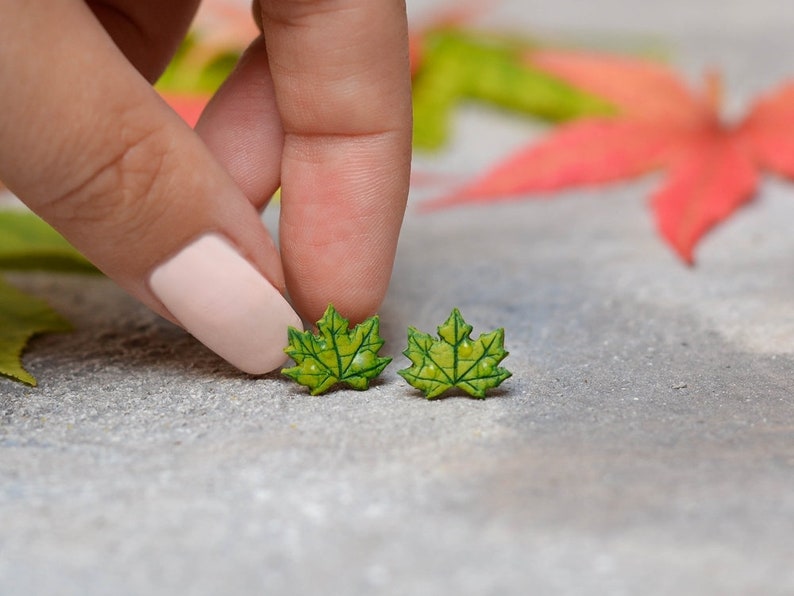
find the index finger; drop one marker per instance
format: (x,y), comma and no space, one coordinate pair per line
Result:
(342,83)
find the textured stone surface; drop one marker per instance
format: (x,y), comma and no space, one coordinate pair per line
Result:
(645,443)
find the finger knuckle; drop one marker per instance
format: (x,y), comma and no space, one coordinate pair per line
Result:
(120,181)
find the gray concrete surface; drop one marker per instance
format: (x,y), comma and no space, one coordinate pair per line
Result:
(645,444)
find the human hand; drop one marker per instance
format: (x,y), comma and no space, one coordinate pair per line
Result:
(320,104)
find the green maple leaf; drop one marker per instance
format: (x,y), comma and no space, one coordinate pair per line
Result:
(461,66)
(455,360)
(336,354)
(21,317)
(27,242)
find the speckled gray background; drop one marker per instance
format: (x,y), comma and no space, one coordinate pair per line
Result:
(645,444)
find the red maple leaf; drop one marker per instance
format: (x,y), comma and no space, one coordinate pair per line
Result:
(712,167)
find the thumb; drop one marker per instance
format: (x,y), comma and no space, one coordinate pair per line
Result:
(88,145)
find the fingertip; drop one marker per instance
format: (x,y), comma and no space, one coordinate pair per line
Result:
(355,284)
(226,303)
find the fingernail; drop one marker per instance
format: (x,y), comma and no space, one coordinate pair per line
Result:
(225,303)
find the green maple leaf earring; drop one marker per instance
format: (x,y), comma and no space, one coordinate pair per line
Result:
(455,360)
(336,354)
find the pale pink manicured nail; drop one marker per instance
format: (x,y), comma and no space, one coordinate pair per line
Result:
(225,303)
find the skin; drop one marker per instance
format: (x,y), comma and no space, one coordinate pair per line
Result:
(319,104)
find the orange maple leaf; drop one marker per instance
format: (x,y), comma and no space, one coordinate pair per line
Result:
(712,167)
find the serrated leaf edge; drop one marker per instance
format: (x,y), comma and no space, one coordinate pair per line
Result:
(370,327)
(61,325)
(459,381)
